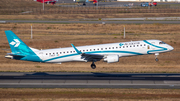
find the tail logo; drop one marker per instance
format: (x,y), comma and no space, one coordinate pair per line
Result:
(121,44)
(15,43)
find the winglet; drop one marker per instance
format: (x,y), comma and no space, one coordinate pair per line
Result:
(76,49)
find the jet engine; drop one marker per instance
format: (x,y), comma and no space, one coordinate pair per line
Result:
(111,58)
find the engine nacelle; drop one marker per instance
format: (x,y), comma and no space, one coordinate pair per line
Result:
(111,58)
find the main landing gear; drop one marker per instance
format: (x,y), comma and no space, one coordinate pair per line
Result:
(93,66)
(156,55)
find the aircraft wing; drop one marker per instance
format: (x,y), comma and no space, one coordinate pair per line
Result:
(89,56)
(92,57)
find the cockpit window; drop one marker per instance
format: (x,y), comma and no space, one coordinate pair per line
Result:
(162,42)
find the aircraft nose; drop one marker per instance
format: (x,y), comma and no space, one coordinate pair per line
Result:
(171,48)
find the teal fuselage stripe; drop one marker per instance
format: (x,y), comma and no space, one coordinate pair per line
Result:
(60,57)
(154,45)
(148,52)
(135,53)
(161,48)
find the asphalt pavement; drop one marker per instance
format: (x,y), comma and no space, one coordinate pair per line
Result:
(113,3)
(97,22)
(88,80)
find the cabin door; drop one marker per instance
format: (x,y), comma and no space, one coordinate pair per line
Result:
(41,56)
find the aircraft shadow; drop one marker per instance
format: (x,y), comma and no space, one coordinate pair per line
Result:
(93,76)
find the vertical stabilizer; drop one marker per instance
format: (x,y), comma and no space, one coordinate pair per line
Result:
(17,45)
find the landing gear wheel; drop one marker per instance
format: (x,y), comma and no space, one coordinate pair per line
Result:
(93,66)
(156,59)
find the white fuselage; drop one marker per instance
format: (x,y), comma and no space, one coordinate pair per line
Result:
(121,49)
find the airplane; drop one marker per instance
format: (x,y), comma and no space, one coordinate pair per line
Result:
(47,1)
(86,1)
(110,53)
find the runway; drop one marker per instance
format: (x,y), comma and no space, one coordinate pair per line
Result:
(88,80)
(97,22)
(113,3)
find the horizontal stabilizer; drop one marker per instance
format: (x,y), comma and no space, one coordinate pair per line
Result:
(11,54)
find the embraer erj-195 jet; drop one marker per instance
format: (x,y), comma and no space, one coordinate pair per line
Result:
(91,53)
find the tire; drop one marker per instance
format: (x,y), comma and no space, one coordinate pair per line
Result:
(93,66)
(156,59)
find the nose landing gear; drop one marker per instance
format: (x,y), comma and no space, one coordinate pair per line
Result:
(156,55)
(156,59)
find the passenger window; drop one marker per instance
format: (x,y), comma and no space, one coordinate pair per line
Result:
(127,46)
(101,48)
(87,50)
(137,45)
(106,48)
(140,45)
(116,47)
(90,49)
(46,53)
(67,52)
(123,46)
(112,47)
(109,47)
(74,51)
(94,49)
(98,49)
(130,46)
(144,44)
(64,52)
(71,51)
(133,45)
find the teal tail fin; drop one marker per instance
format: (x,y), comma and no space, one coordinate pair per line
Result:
(17,45)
